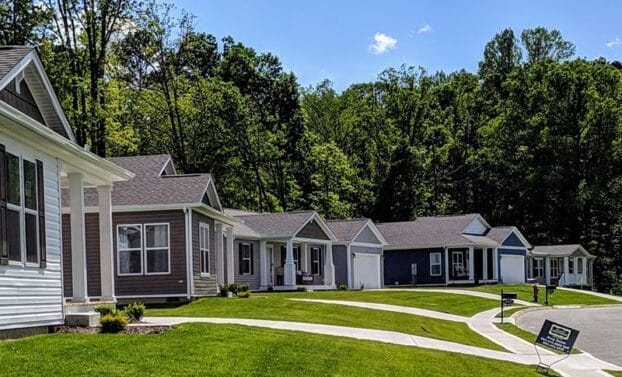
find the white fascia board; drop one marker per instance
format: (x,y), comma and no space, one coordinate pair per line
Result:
(70,154)
(313,241)
(213,213)
(320,222)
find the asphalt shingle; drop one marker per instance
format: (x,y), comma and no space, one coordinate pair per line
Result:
(346,230)
(10,56)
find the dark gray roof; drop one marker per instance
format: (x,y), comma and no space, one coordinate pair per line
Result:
(499,233)
(558,250)
(346,230)
(436,231)
(285,224)
(10,56)
(148,187)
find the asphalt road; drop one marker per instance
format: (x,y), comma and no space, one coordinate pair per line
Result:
(600,328)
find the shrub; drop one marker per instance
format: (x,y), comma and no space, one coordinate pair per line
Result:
(224,289)
(105,309)
(343,287)
(244,294)
(135,311)
(270,289)
(113,323)
(301,289)
(237,288)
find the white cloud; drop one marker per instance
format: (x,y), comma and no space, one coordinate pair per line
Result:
(424,29)
(382,43)
(615,42)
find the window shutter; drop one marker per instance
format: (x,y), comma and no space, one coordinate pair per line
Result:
(240,264)
(41,207)
(252,259)
(4,249)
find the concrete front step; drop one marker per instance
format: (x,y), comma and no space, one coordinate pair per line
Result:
(87,319)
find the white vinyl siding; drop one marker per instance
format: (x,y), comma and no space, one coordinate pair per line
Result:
(32,296)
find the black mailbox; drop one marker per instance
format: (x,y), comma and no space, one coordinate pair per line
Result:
(508,298)
(551,288)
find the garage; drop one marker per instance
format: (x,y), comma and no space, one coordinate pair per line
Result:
(366,271)
(512,268)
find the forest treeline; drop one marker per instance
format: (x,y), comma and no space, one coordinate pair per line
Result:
(532,139)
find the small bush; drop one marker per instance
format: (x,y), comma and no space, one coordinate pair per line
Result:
(112,323)
(224,289)
(105,309)
(135,311)
(242,288)
(244,294)
(343,287)
(270,289)
(301,289)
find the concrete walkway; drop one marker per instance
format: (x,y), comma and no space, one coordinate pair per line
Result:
(390,308)
(465,292)
(575,365)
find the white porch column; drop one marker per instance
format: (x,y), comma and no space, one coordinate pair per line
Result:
(495,264)
(219,250)
(78,243)
(263,264)
(229,252)
(485,262)
(547,270)
(566,271)
(106,260)
(289,269)
(471,263)
(584,276)
(446,266)
(329,267)
(304,258)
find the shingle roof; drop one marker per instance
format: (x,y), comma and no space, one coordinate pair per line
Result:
(10,56)
(346,230)
(558,250)
(284,224)
(499,233)
(432,232)
(147,187)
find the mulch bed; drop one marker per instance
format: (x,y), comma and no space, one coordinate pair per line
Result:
(130,330)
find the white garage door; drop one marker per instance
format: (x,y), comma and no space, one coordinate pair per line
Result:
(512,268)
(366,271)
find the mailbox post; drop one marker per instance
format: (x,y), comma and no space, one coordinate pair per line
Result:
(550,289)
(507,299)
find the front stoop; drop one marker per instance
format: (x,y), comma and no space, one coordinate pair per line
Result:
(87,319)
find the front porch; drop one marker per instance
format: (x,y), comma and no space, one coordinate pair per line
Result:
(568,271)
(471,265)
(290,264)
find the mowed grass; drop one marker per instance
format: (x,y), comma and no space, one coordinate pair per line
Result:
(276,306)
(228,350)
(524,334)
(509,311)
(559,297)
(440,302)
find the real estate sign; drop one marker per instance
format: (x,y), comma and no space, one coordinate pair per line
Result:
(558,337)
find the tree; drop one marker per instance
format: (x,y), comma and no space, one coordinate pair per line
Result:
(541,44)
(22,21)
(501,55)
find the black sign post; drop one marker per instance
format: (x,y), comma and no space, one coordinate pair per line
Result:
(550,289)
(556,337)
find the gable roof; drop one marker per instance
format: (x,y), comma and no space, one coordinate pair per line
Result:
(150,188)
(17,60)
(501,233)
(349,230)
(278,225)
(559,250)
(438,231)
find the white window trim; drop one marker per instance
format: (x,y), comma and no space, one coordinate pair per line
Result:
(538,266)
(314,261)
(147,249)
(22,210)
(250,258)
(204,250)
(439,264)
(119,273)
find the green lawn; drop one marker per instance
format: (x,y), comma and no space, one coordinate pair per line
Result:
(276,306)
(614,373)
(507,312)
(560,297)
(441,302)
(523,334)
(228,350)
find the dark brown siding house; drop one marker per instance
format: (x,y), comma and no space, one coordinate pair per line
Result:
(281,251)
(168,234)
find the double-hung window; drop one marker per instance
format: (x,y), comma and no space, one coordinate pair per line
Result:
(130,249)
(554,267)
(148,254)
(571,265)
(538,267)
(435,264)
(22,204)
(579,265)
(204,247)
(316,260)
(457,259)
(157,249)
(246,259)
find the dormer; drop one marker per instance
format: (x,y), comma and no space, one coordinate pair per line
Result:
(478,227)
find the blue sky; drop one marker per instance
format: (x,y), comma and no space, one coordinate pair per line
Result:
(352,41)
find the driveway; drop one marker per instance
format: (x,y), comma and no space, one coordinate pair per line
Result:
(600,328)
